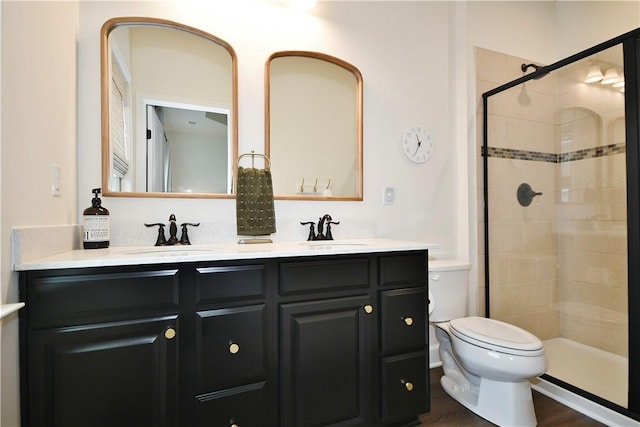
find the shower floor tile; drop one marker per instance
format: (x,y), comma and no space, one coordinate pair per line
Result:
(596,371)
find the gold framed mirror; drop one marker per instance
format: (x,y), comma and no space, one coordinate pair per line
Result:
(169,110)
(313,126)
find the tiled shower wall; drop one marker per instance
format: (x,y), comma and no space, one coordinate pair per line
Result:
(558,266)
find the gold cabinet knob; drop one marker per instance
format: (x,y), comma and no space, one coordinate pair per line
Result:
(169,333)
(368,309)
(234,348)
(408,385)
(234,425)
(408,321)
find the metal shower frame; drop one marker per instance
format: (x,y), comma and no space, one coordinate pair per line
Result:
(630,42)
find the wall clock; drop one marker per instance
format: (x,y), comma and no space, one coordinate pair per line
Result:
(417,144)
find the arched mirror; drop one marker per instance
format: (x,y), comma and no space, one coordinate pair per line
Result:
(313,106)
(169,110)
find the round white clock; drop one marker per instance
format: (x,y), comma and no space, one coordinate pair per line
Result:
(417,144)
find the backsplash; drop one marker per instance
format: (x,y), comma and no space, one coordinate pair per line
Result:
(32,243)
(29,243)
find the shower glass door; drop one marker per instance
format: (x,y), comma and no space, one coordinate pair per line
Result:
(556,246)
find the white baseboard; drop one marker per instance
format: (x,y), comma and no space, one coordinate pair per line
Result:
(583,405)
(434,356)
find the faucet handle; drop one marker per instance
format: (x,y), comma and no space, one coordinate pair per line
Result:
(312,229)
(184,237)
(328,235)
(161,241)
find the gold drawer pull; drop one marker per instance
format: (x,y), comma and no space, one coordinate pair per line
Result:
(368,309)
(170,333)
(407,385)
(234,348)
(408,321)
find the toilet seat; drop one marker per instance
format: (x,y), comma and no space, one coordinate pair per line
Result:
(496,335)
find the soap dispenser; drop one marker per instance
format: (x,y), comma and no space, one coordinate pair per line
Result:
(95,223)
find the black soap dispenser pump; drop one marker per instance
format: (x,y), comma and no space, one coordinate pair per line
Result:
(95,223)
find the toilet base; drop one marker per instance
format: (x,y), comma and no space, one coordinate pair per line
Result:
(502,403)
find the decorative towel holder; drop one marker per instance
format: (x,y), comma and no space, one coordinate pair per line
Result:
(253,154)
(267,168)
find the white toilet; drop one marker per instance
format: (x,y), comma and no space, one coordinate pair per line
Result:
(487,363)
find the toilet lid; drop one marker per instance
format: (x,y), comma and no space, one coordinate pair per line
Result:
(490,332)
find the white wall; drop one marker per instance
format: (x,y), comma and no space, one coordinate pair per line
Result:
(38,119)
(583,24)
(519,28)
(405,84)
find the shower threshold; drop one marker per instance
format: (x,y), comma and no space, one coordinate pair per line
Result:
(596,371)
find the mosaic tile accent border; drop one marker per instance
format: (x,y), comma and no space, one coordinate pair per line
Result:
(537,156)
(589,153)
(509,153)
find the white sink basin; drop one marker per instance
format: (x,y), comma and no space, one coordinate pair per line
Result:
(171,251)
(328,244)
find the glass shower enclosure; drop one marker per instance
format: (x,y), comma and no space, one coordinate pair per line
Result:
(561,219)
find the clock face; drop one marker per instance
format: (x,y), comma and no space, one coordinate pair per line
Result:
(417,144)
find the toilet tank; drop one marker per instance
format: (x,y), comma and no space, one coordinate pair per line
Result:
(448,280)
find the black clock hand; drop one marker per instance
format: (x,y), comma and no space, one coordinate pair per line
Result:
(419,144)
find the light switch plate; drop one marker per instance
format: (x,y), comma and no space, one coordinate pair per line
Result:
(388,195)
(56,179)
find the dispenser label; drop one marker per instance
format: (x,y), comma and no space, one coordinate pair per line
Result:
(96,228)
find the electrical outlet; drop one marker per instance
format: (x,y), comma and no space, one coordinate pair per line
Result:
(56,181)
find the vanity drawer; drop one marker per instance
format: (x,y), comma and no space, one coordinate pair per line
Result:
(324,275)
(230,347)
(403,320)
(242,406)
(68,298)
(230,282)
(404,385)
(408,269)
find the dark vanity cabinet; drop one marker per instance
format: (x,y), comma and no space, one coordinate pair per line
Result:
(231,344)
(290,342)
(326,343)
(100,347)
(403,328)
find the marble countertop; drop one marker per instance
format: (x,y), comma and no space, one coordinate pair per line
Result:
(7,309)
(147,255)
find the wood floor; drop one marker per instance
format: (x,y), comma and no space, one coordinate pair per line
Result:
(445,411)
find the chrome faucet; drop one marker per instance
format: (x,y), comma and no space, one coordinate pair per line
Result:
(322,235)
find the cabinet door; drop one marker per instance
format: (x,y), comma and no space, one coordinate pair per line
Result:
(113,374)
(326,362)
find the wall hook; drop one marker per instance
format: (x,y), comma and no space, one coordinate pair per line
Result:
(526,194)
